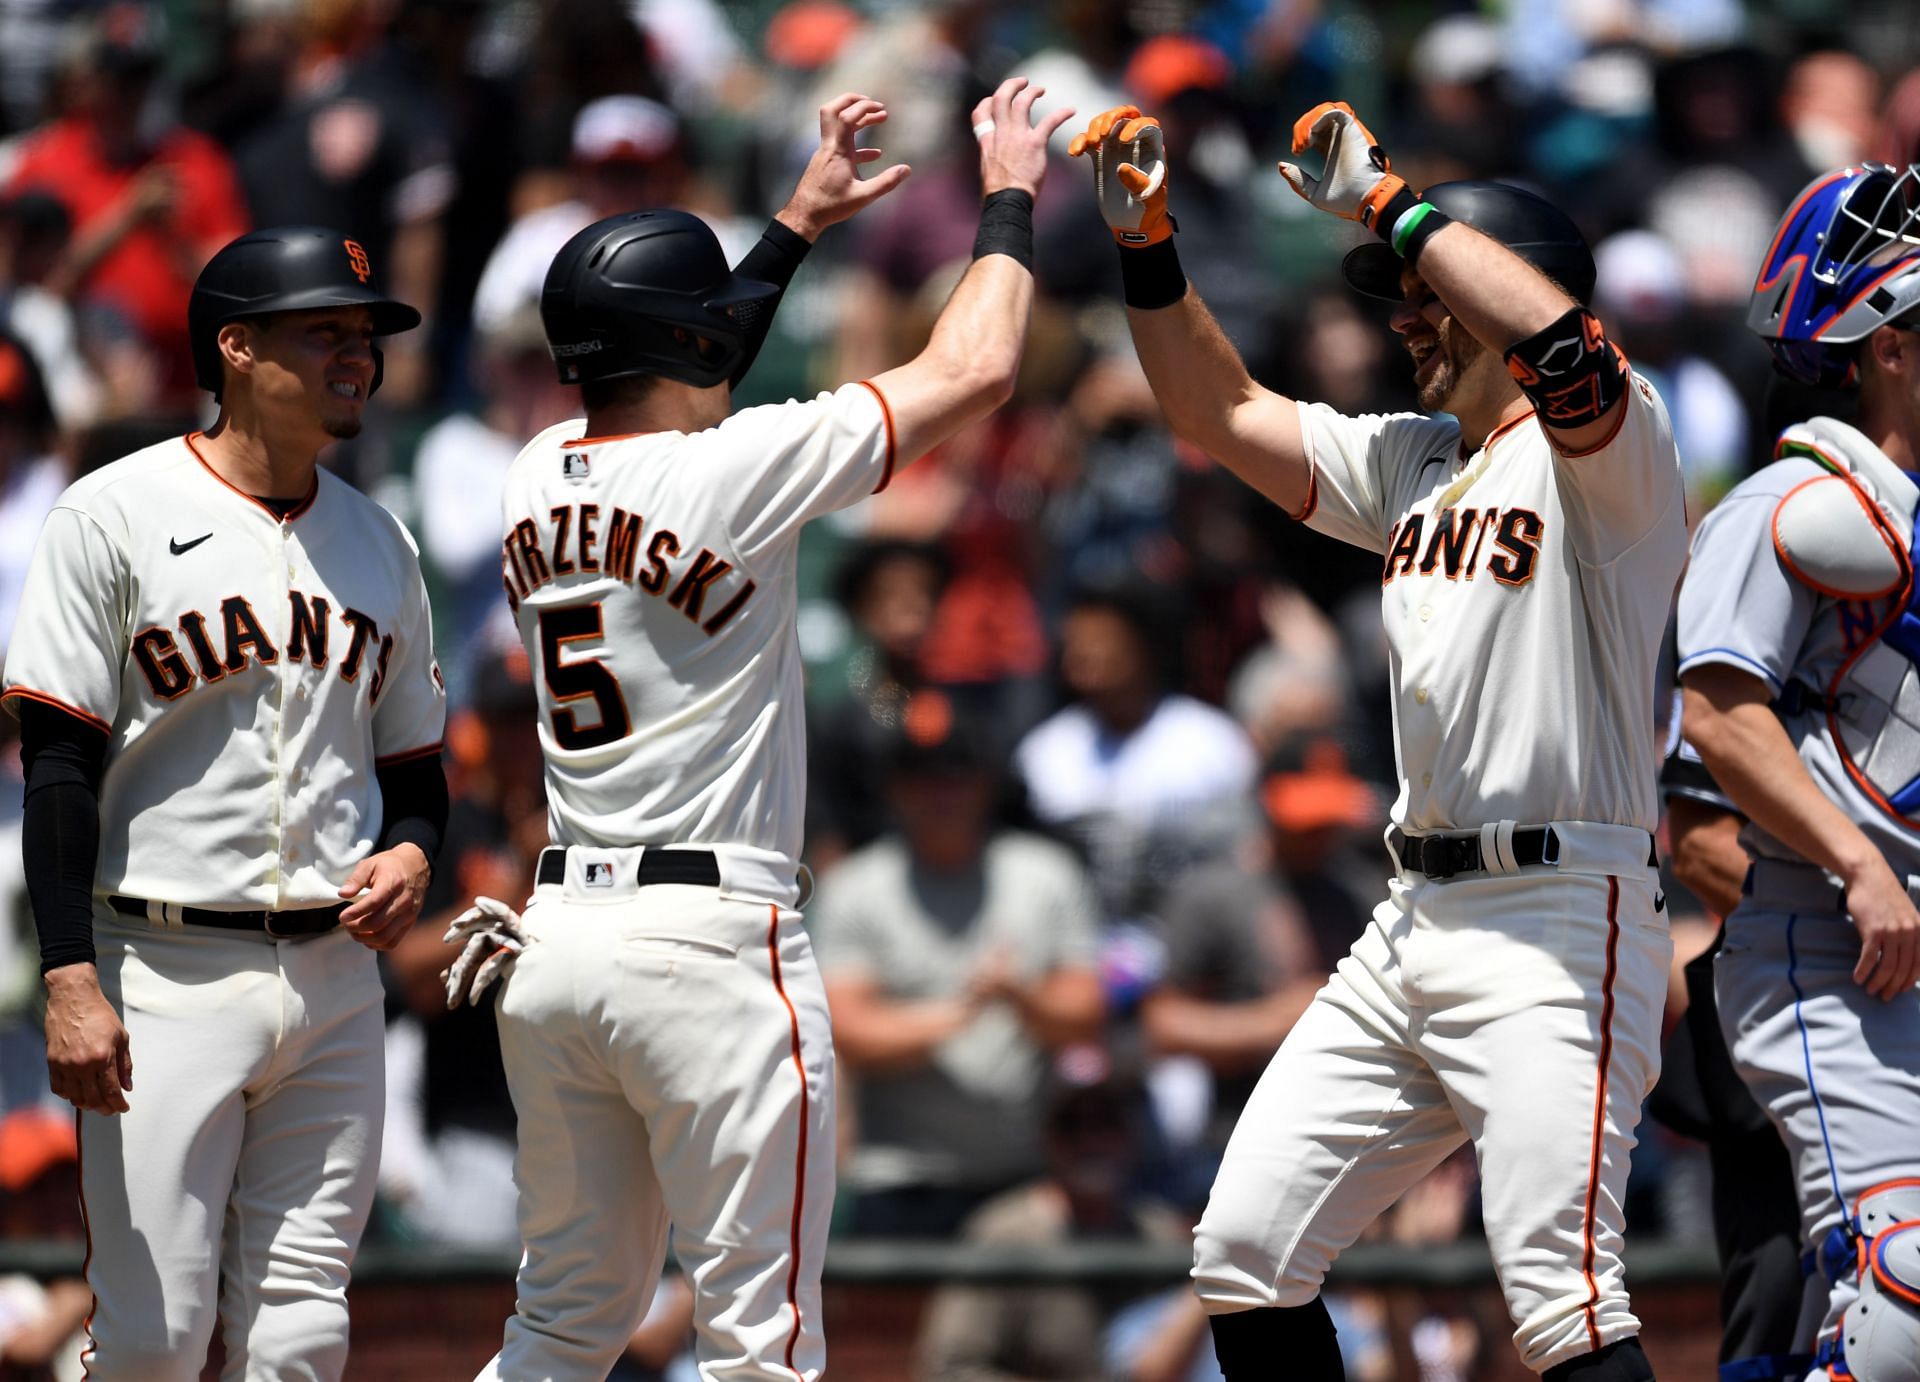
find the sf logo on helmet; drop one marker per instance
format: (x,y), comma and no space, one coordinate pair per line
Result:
(357,260)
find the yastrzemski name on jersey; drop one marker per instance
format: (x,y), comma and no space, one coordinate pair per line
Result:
(565,542)
(251,671)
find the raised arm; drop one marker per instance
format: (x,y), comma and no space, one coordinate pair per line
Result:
(1553,346)
(968,367)
(830,191)
(1198,377)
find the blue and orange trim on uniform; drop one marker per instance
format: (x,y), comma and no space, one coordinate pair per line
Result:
(1596,1155)
(794,1234)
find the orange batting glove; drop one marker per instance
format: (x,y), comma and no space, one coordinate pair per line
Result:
(1134,197)
(1358,179)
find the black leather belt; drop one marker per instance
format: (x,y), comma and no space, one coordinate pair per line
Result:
(304,921)
(1443,856)
(699,868)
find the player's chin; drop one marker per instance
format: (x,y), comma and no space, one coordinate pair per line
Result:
(342,426)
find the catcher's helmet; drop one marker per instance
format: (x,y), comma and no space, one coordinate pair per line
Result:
(1532,227)
(1844,261)
(285,269)
(647,292)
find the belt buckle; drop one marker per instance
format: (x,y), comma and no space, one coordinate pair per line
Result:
(1451,857)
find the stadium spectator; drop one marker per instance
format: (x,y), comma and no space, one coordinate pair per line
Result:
(148,204)
(1094,1130)
(1150,781)
(627,153)
(42,1324)
(889,591)
(956,955)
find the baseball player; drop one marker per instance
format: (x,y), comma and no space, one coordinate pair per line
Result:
(231,720)
(1756,1221)
(1797,645)
(1509,989)
(664,1029)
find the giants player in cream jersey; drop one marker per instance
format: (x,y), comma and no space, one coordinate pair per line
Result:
(1509,990)
(231,717)
(664,1028)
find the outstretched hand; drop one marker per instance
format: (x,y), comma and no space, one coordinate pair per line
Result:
(1013,149)
(831,189)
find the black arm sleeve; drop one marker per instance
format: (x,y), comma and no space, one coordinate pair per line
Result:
(772,260)
(413,794)
(65,758)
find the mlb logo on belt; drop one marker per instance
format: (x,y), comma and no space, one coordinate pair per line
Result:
(573,465)
(599,875)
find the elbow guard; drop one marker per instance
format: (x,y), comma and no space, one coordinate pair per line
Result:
(1571,372)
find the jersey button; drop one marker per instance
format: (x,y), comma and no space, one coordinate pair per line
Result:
(1420,695)
(1426,613)
(1426,779)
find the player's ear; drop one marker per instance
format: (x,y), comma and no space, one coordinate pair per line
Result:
(236,345)
(1889,348)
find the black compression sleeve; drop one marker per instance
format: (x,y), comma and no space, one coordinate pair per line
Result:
(413,795)
(65,758)
(772,260)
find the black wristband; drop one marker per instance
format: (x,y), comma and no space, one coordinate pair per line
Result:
(1006,227)
(1397,206)
(1151,277)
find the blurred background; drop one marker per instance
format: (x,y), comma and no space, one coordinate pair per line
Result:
(1100,749)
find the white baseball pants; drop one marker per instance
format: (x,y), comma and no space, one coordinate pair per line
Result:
(240,1178)
(1521,1012)
(671,1062)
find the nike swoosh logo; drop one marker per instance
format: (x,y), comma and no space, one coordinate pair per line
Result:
(175,546)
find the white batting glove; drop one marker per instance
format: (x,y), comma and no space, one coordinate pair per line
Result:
(1358,180)
(1129,156)
(494,938)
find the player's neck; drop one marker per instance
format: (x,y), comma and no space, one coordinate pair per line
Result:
(669,406)
(1890,423)
(255,462)
(1480,420)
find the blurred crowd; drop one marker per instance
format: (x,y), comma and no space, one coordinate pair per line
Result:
(1100,750)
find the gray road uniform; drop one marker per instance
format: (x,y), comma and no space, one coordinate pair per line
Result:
(1837,1070)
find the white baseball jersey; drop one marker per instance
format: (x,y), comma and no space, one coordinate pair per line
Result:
(250,670)
(653,580)
(1524,617)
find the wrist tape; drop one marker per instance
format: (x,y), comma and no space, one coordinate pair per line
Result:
(1006,227)
(1571,371)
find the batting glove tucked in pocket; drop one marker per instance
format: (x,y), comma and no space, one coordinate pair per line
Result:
(494,938)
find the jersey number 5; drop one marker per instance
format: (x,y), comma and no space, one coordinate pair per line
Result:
(576,681)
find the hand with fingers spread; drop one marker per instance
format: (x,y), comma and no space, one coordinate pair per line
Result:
(89,1058)
(386,891)
(1013,149)
(1883,913)
(494,938)
(1358,180)
(831,189)
(1129,159)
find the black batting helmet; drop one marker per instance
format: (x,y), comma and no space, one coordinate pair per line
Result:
(1532,227)
(647,292)
(285,269)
